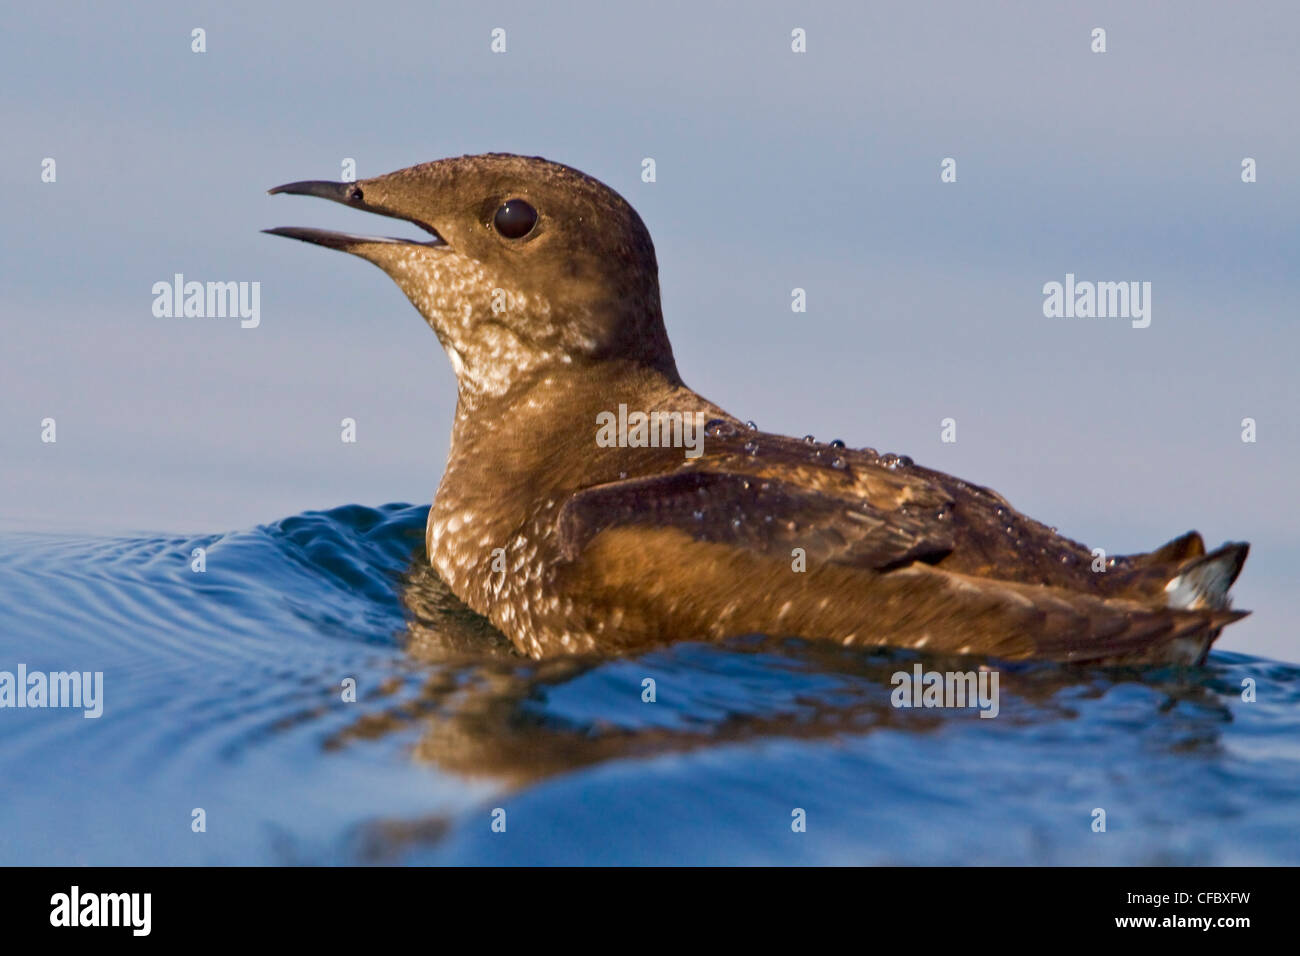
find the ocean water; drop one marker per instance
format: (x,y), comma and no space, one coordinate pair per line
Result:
(223,692)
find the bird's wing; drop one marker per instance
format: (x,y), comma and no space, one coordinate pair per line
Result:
(838,506)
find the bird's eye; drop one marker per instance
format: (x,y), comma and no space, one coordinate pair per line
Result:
(515,219)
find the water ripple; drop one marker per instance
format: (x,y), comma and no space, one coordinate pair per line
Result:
(225,690)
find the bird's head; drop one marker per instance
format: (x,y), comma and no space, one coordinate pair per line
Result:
(528,265)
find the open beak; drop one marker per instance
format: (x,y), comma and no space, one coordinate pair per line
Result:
(349,194)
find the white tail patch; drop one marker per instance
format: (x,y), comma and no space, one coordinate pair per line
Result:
(1205,583)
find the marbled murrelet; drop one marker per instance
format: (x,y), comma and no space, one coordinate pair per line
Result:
(542,286)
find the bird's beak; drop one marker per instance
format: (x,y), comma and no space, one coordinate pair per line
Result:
(349,194)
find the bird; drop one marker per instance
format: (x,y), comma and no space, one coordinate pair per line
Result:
(575,532)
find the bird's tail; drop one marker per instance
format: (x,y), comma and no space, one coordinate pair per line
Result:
(1202,582)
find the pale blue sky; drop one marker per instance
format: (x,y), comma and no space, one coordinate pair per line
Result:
(775,170)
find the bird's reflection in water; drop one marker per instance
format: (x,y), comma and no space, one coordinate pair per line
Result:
(485,711)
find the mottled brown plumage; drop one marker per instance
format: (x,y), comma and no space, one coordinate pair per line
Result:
(569,547)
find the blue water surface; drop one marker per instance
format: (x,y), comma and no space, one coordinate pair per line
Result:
(223,691)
